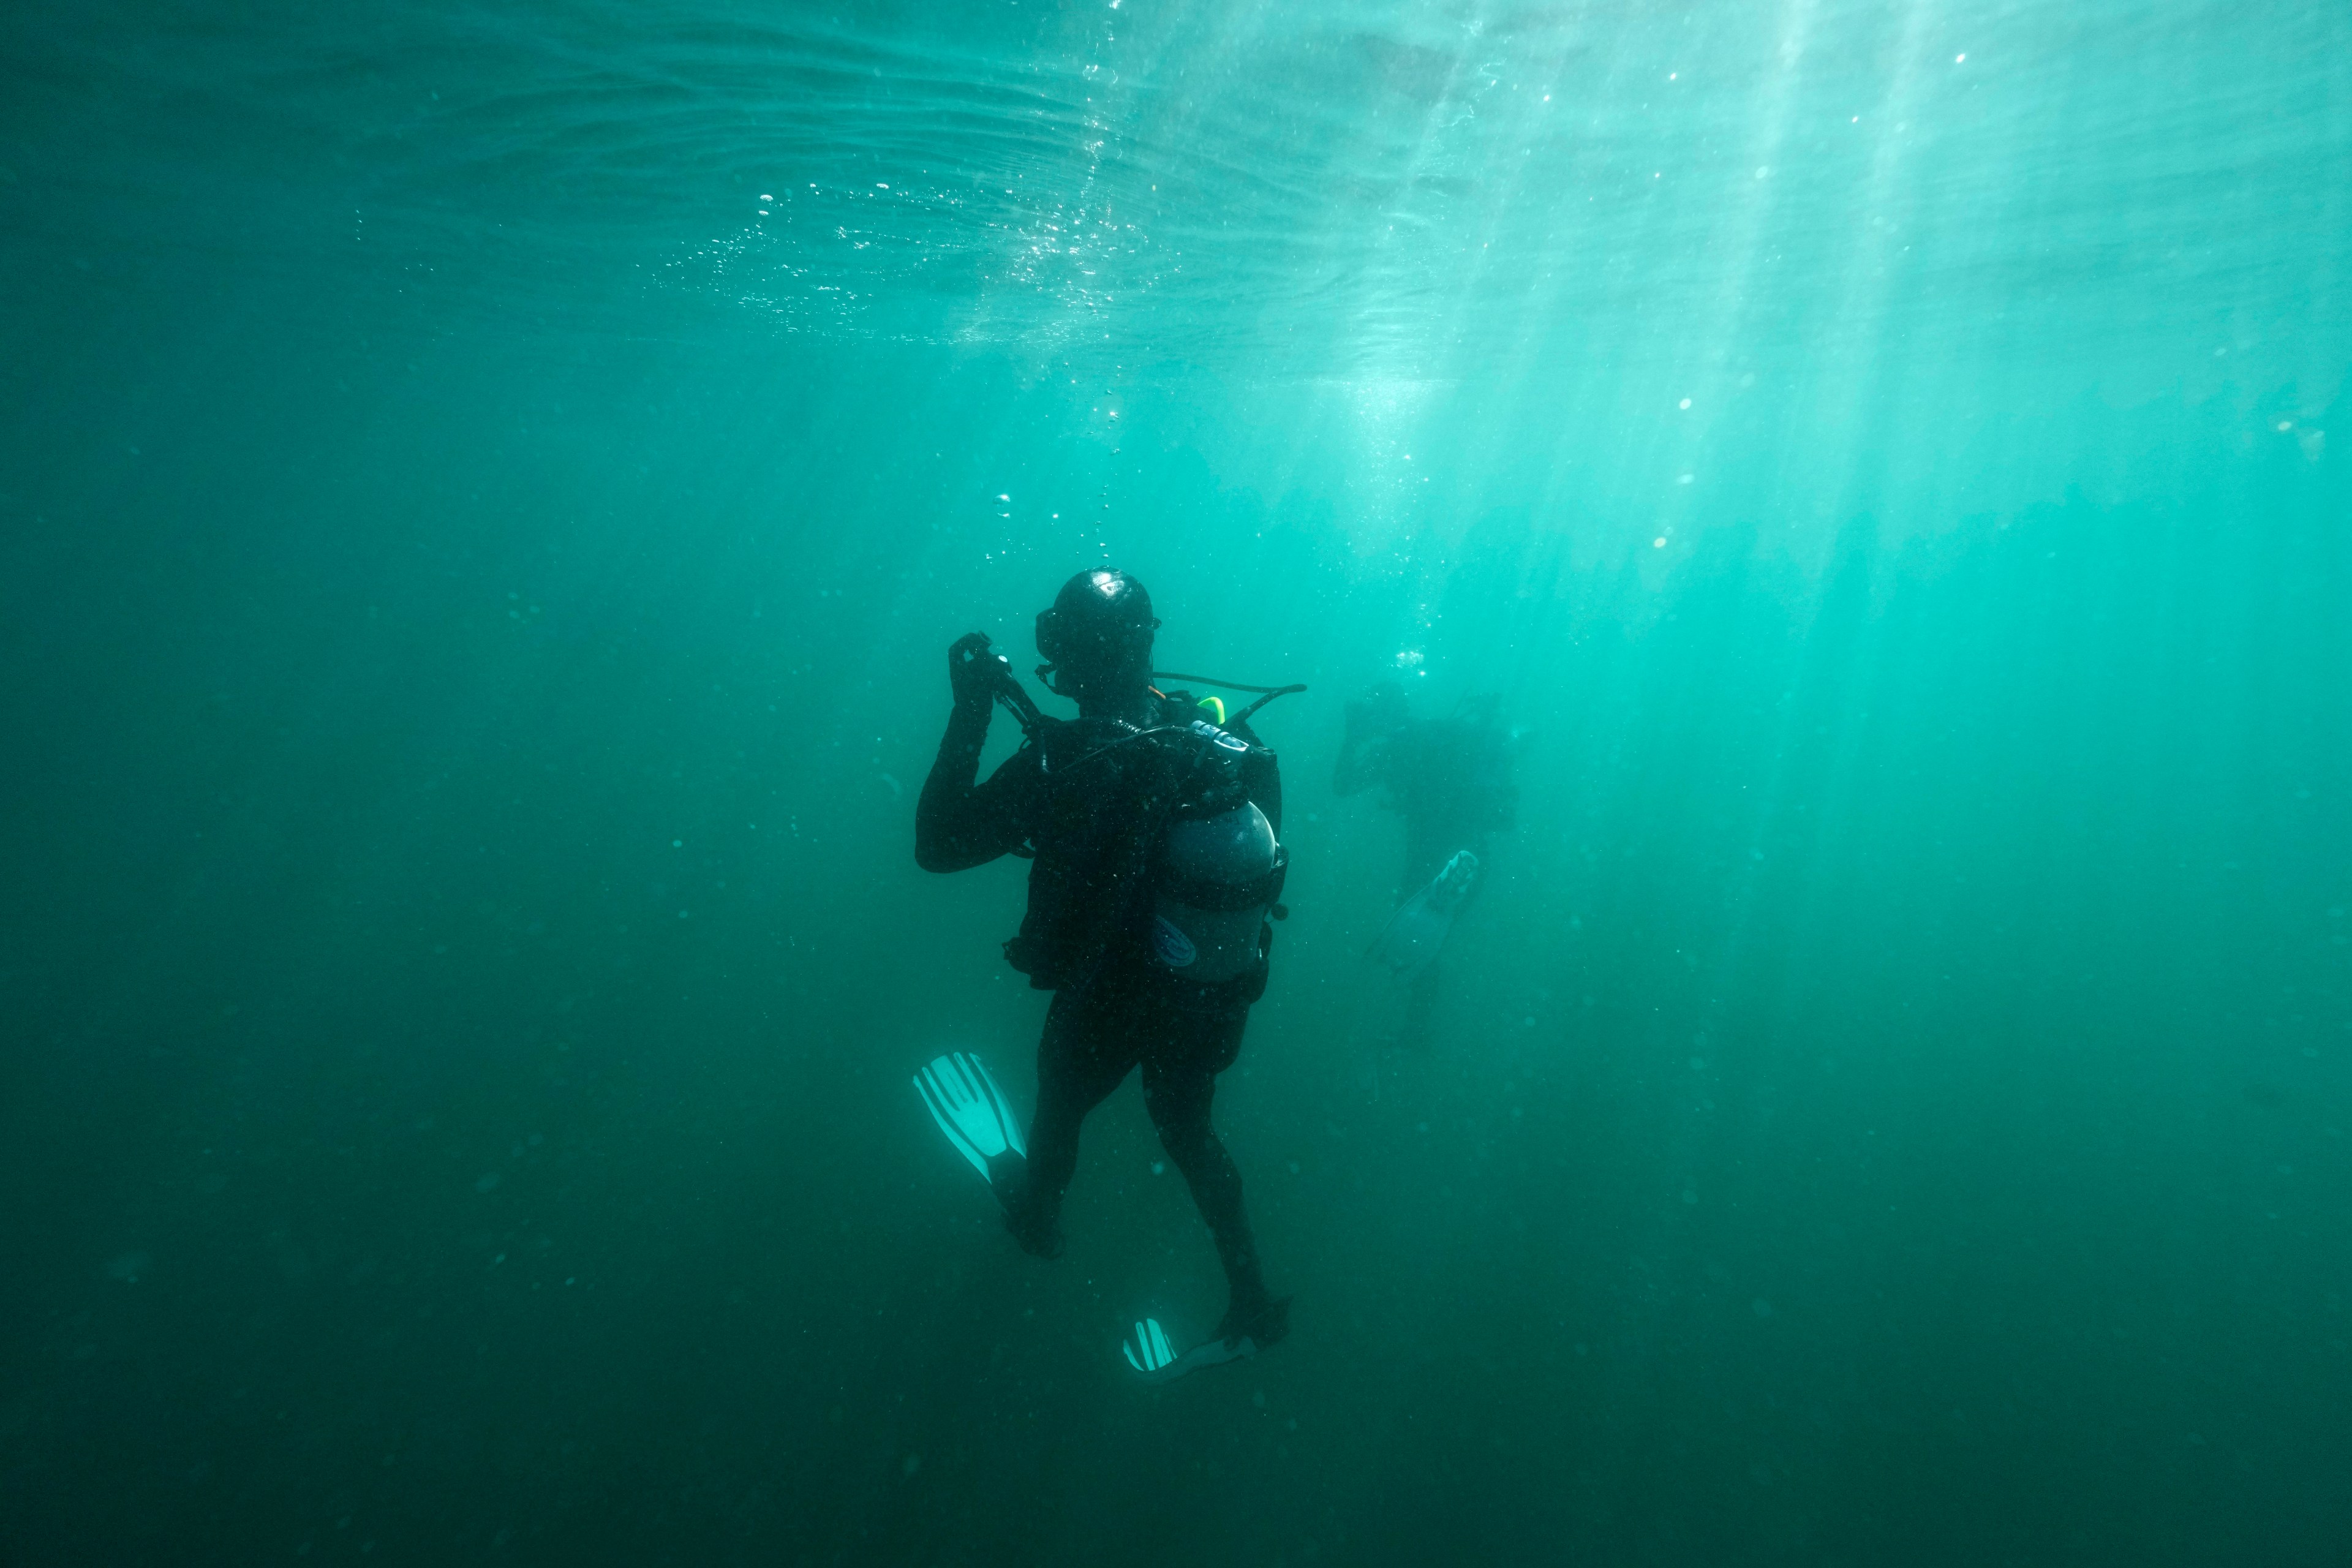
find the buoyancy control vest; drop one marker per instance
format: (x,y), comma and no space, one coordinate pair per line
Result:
(1154,859)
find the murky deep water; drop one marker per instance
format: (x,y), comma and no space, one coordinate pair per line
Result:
(483,496)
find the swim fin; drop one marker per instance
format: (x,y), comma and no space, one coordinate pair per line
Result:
(1151,1355)
(1416,932)
(972,1111)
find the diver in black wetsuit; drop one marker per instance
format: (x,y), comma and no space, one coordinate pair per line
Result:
(1103,802)
(1449,778)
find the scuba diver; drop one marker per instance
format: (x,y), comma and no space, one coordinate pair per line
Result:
(1450,779)
(1154,868)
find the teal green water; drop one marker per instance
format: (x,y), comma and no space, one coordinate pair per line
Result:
(484,494)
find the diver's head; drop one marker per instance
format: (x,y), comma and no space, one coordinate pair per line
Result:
(1483,708)
(1097,639)
(1380,711)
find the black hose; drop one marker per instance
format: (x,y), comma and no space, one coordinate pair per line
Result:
(1124,739)
(1226,685)
(1017,703)
(1243,717)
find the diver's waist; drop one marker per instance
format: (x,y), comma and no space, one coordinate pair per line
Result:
(1139,978)
(1133,976)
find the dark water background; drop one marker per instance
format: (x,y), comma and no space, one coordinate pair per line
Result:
(472,590)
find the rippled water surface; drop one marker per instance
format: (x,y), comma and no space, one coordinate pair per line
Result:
(1404,188)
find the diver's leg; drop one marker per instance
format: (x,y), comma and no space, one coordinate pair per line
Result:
(1078,1065)
(1421,993)
(1420,1006)
(1180,1084)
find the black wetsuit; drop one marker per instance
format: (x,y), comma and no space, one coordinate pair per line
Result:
(1448,778)
(1089,799)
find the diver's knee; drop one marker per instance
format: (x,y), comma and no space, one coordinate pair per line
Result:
(1182,1139)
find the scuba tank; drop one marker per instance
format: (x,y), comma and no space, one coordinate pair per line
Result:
(1218,873)
(1219,876)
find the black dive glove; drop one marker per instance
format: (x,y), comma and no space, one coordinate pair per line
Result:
(974,672)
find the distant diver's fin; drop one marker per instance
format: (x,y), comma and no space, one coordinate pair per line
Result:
(1150,1353)
(1417,931)
(971,1110)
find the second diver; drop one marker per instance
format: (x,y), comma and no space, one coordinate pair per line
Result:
(1450,779)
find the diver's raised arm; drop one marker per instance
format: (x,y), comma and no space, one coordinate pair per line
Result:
(1374,720)
(958,824)
(1348,774)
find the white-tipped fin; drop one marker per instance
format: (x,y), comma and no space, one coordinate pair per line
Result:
(1417,931)
(969,1109)
(1150,1353)
(1147,1352)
